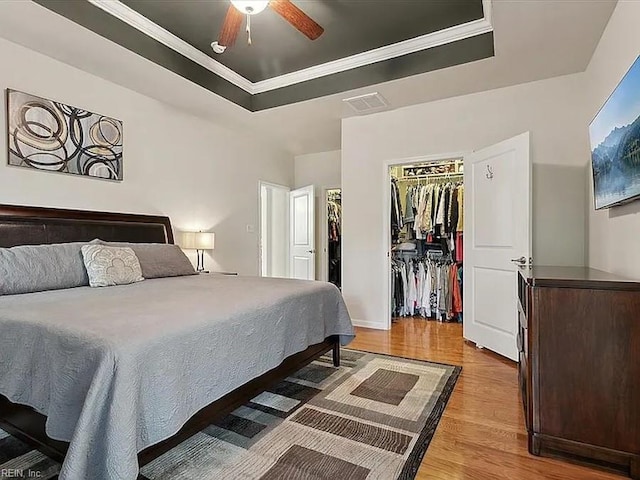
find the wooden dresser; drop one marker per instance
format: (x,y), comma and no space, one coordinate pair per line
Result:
(579,370)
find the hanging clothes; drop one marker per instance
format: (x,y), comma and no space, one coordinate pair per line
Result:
(427,288)
(452,219)
(409,215)
(334,212)
(429,215)
(334,216)
(440,212)
(459,247)
(433,209)
(460,225)
(396,211)
(425,297)
(447,210)
(421,222)
(456,295)
(412,290)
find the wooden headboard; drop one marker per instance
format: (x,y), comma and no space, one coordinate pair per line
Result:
(35,225)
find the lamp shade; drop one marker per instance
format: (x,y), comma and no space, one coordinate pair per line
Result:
(198,240)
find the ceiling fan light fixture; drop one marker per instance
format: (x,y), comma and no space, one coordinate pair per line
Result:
(218,48)
(250,7)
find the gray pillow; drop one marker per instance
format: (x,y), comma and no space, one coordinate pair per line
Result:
(158,259)
(35,268)
(109,266)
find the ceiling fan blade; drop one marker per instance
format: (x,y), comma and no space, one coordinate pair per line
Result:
(297,18)
(230,27)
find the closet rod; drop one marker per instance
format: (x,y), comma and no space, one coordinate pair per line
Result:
(428,176)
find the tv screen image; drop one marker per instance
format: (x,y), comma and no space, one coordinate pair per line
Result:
(615,143)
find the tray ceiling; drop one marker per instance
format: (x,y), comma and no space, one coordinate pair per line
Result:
(352,27)
(365,42)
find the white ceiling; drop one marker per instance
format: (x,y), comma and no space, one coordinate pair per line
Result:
(534,39)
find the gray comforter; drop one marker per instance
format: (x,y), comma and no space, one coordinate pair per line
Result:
(118,369)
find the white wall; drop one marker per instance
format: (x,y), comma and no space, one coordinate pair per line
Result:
(614,234)
(201,175)
(550,109)
(319,169)
(322,170)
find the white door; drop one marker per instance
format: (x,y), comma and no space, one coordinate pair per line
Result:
(497,209)
(302,246)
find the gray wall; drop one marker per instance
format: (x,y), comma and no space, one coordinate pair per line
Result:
(614,234)
(559,197)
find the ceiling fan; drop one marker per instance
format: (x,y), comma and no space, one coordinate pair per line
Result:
(238,8)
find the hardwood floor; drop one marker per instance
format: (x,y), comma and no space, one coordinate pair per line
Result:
(482,433)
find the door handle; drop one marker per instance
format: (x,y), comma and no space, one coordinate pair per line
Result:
(311,251)
(520,261)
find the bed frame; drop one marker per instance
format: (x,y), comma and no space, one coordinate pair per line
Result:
(33,226)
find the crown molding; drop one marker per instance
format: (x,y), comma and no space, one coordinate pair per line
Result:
(424,42)
(155,31)
(431,40)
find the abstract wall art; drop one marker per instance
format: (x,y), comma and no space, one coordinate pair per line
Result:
(51,136)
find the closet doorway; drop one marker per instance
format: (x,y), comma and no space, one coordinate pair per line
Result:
(426,239)
(458,230)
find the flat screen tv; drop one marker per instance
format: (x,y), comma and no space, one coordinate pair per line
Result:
(615,144)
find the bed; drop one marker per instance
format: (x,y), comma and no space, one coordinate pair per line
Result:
(136,369)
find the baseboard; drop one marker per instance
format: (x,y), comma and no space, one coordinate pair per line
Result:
(368,324)
(586,454)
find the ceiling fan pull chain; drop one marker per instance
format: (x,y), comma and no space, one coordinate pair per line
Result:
(249,29)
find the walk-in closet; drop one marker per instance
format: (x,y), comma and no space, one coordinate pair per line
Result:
(427,218)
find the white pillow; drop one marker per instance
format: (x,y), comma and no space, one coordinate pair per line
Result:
(108,266)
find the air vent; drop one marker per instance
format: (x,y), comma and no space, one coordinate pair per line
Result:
(371,102)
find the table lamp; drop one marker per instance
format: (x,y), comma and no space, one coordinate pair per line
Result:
(199,241)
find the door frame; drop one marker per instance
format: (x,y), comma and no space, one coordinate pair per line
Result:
(324,231)
(262,183)
(386,213)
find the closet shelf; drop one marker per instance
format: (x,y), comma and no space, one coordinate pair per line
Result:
(429,176)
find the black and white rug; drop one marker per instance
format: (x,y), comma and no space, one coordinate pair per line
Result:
(373,417)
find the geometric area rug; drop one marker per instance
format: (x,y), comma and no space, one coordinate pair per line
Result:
(372,418)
